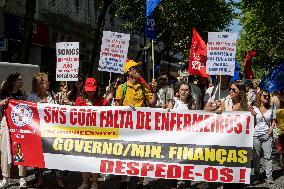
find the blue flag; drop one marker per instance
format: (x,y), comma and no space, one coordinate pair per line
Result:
(150,6)
(274,80)
(236,73)
(150,28)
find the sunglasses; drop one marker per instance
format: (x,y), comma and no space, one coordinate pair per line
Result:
(265,96)
(163,79)
(135,68)
(233,90)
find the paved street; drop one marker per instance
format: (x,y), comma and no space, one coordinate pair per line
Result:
(72,181)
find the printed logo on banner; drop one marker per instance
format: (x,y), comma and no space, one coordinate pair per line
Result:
(21,115)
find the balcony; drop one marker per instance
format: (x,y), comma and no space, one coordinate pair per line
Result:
(83,14)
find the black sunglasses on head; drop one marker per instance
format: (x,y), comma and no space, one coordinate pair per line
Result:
(232,89)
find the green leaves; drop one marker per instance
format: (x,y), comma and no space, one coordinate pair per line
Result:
(176,19)
(263,31)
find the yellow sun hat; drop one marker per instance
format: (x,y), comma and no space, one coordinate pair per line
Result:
(130,63)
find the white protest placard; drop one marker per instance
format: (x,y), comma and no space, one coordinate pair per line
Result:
(114,51)
(67,66)
(221,52)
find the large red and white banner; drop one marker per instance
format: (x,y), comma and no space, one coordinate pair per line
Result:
(147,142)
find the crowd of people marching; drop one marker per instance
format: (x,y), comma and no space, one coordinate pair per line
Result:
(216,95)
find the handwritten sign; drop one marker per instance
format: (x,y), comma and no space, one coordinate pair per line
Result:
(114,51)
(221,52)
(67,66)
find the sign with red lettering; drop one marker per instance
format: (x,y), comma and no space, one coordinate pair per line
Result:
(67,67)
(114,51)
(147,142)
(221,53)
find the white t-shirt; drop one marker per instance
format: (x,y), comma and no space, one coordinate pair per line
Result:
(179,105)
(262,121)
(34,98)
(212,94)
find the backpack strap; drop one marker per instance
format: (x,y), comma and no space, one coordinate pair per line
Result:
(124,89)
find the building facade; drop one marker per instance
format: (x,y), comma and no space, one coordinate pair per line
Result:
(55,21)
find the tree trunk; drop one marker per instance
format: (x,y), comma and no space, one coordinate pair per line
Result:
(28,30)
(98,36)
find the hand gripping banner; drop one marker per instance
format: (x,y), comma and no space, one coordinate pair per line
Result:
(147,142)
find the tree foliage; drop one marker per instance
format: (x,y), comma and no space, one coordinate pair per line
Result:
(263,31)
(175,20)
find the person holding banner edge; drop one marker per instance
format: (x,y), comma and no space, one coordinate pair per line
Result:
(11,90)
(135,92)
(235,101)
(91,97)
(40,94)
(212,100)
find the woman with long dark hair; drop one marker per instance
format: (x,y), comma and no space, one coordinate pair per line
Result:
(76,90)
(184,99)
(237,100)
(10,90)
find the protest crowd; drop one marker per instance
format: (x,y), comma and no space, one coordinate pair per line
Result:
(214,94)
(213,127)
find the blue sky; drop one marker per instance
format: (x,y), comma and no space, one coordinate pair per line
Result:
(235,27)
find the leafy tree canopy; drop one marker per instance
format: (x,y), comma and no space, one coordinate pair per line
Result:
(175,20)
(263,31)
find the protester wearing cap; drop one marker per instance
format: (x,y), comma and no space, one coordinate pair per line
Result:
(135,92)
(91,97)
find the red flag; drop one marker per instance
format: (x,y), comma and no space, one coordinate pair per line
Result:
(198,56)
(248,65)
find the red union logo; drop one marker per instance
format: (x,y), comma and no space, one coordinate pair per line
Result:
(21,115)
(197,65)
